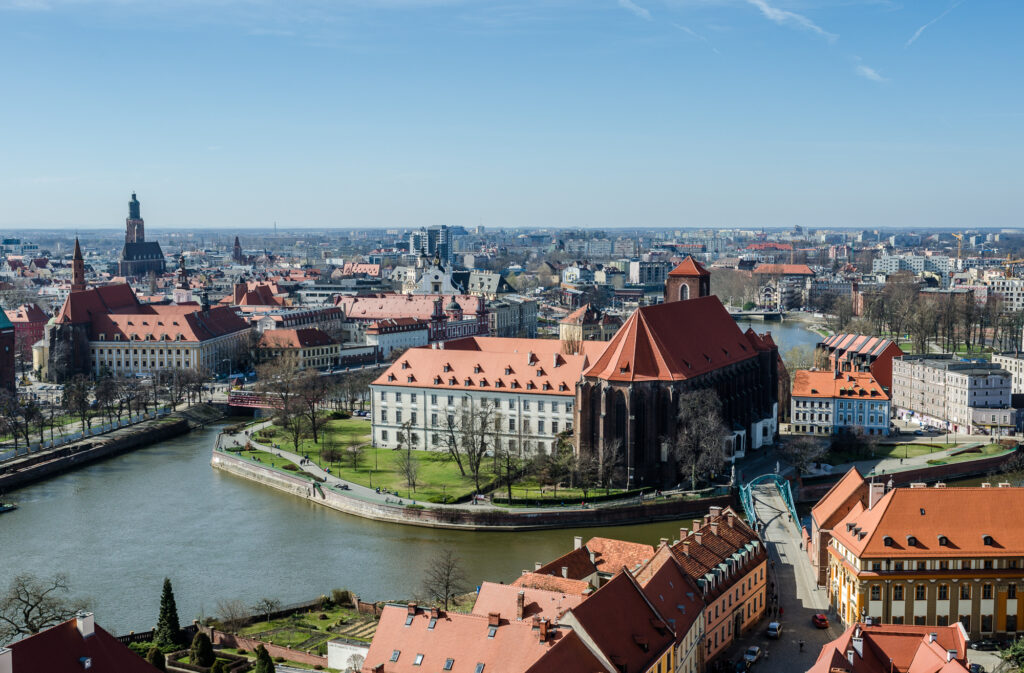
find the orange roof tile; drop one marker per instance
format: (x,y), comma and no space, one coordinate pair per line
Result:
(673,341)
(306,337)
(502,598)
(851,488)
(689,267)
(963,516)
(552,583)
(902,648)
(855,385)
(784,269)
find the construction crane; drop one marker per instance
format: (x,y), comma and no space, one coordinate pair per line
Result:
(959,241)
(1009,265)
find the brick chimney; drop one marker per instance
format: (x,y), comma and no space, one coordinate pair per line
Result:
(730,518)
(697,523)
(662,542)
(697,537)
(686,548)
(714,511)
(493,618)
(412,608)
(542,633)
(714,528)
(520,604)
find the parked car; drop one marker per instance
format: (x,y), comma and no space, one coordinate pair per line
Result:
(977,668)
(752,654)
(741,665)
(820,621)
(775,630)
(984,645)
(919,433)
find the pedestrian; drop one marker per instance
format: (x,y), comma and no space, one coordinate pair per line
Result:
(801,646)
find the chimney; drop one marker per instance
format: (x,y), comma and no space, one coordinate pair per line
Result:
(554,360)
(6,660)
(730,519)
(663,541)
(683,533)
(412,608)
(536,565)
(565,571)
(858,646)
(85,623)
(875,492)
(714,511)
(697,523)
(686,548)
(493,618)
(697,537)
(950,655)
(542,635)
(593,558)
(849,656)
(525,571)
(434,613)
(714,528)
(577,542)
(520,604)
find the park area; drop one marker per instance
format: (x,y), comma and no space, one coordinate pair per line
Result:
(344,448)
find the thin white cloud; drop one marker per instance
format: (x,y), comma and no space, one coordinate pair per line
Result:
(917,33)
(636,9)
(784,17)
(870,73)
(692,33)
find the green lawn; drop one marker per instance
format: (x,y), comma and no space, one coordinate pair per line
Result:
(974,454)
(532,490)
(439,477)
(272,460)
(904,450)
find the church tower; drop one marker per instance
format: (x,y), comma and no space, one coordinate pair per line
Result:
(77,269)
(236,253)
(689,280)
(135,229)
(182,289)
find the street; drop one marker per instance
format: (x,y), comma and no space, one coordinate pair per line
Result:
(799,596)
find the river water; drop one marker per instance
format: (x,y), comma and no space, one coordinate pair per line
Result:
(118,527)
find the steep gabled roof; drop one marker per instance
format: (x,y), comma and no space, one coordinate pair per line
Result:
(60,650)
(689,268)
(501,598)
(843,493)
(674,341)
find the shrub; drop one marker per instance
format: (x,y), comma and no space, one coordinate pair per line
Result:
(322,616)
(279,659)
(242,651)
(201,652)
(155,658)
(340,597)
(291,467)
(318,667)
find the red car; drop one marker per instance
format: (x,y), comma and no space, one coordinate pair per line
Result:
(820,620)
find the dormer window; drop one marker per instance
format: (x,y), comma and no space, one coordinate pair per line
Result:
(911,541)
(943,541)
(987,540)
(437,380)
(447,367)
(476,369)
(405,364)
(391,377)
(508,371)
(888,541)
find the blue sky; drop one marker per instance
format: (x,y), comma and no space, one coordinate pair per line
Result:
(596,113)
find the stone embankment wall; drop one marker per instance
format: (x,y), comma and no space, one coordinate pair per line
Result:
(812,489)
(50,462)
(463,517)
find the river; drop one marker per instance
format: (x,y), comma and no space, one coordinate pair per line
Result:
(118,527)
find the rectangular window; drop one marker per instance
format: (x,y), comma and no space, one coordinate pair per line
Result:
(876,566)
(919,592)
(433,399)
(1011,623)
(398,397)
(418,660)
(876,592)
(897,592)
(383,435)
(540,406)
(897,565)
(942,620)
(1011,591)
(413,417)
(554,427)
(511,425)
(922,565)
(433,419)
(919,620)
(398,416)
(943,565)
(965,591)
(988,564)
(986,623)
(383,415)
(986,591)
(943,592)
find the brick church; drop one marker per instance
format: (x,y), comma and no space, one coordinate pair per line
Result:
(138,256)
(690,342)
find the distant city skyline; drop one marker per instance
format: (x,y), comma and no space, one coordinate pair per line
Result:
(604,114)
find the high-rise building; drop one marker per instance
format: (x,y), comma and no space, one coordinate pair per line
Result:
(432,242)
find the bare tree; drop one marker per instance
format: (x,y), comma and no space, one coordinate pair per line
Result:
(355,454)
(801,451)
(311,391)
(32,604)
(266,606)
(445,578)
(76,398)
(700,434)
(408,464)
(233,613)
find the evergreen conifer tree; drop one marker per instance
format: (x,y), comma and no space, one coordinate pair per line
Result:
(219,666)
(201,652)
(264,664)
(155,658)
(168,628)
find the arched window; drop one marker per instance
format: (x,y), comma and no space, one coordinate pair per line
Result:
(684,292)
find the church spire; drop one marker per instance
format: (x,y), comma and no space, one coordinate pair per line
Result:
(135,231)
(77,269)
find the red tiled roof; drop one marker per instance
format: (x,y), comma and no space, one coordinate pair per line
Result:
(612,555)
(491,363)
(784,269)
(623,625)
(903,648)
(28,313)
(422,306)
(689,268)
(964,516)
(502,598)
(673,593)
(843,493)
(770,246)
(61,649)
(552,583)
(674,341)
(463,638)
(79,307)
(717,543)
(851,385)
(306,337)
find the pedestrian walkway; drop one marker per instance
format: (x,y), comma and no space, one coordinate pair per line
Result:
(792,581)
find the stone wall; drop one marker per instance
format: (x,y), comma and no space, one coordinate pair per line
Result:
(465,518)
(250,644)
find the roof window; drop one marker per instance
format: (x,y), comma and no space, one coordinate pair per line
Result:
(911,541)
(888,541)
(492,631)
(479,668)
(395,654)
(418,660)
(943,541)
(987,540)
(448,663)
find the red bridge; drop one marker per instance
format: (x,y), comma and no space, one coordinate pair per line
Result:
(253,400)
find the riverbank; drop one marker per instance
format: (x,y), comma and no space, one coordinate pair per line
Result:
(468,518)
(47,463)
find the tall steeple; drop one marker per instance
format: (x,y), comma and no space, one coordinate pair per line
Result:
(135,231)
(77,269)
(183,290)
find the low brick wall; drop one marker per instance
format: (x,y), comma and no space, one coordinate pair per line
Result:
(465,518)
(250,644)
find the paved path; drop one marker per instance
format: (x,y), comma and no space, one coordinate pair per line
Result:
(799,597)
